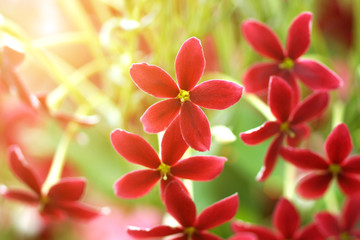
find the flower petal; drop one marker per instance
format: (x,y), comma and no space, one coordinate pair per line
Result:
(19,195)
(261,232)
(300,132)
(22,170)
(153,80)
(164,183)
(216,94)
(327,224)
(270,159)
(158,231)
(286,219)
(262,39)
(199,168)
(304,159)
(195,127)
(261,133)
(189,64)
(159,115)
(134,149)
(351,165)
(244,236)
(218,213)
(349,183)
(279,99)
(136,184)
(68,189)
(205,236)
(316,75)
(351,212)
(338,144)
(311,231)
(179,204)
(314,185)
(311,107)
(173,145)
(256,78)
(78,210)
(298,40)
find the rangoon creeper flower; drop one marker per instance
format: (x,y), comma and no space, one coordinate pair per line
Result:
(287,62)
(338,165)
(342,227)
(179,205)
(62,199)
(136,150)
(286,221)
(289,124)
(184,98)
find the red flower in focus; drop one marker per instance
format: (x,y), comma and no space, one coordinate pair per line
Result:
(288,63)
(185,97)
(136,150)
(61,200)
(286,221)
(343,226)
(179,205)
(337,165)
(289,124)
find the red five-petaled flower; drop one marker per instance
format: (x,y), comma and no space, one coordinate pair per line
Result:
(61,200)
(179,205)
(290,122)
(343,226)
(286,221)
(338,165)
(287,62)
(136,150)
(185,97)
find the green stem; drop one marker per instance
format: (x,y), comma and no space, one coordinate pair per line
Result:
(289,180)
(330,199)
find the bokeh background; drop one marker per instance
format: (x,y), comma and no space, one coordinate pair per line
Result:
(78,54)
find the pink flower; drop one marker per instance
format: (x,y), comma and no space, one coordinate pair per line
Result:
(179,205)
(289,124)
(136,150)
(184,98)
(337,165)
(343,226)
(287,62)
(61,200)
(286,221)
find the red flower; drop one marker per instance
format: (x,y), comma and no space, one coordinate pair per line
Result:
(290,122)
(286,221)
(343,226)
(136,150)
(61,200)
(337,165)
(287,62)
(179,205)
(185,97)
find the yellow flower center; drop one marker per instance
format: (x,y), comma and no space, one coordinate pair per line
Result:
(189,231)
(335,169)
(164,170)
(183,95)
(285,127)
(287,64)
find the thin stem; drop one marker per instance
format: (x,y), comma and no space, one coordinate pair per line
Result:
(260,106)
(330,199)
(289,180)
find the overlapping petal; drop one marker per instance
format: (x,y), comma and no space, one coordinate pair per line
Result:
(338,145)
(159,115)
(300,132)
(216,94)
(218,213)
(179,204)
(286,219)
(68,189)
(314,185)
(304,159)
(199,168)
(279,99)
(298,39)
(261,133)
(189,64)
(173,145)
(19,195)
(136,184)
(261,232)
(351,212)
(309,232)
(78,210)
(195,127)
(205,236)
(327,224)
(262,39)
(158,231)
(22,170)
(316,75)
(349,183)
(351,165)
(134,149)
(256,79)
